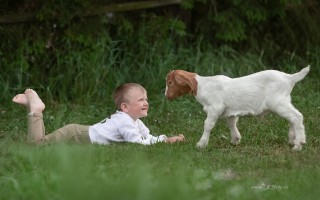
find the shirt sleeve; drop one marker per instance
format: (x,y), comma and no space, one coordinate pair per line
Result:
(146,134)
(137,132)
(155,139)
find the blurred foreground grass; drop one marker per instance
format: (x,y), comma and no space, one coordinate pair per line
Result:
(261,167)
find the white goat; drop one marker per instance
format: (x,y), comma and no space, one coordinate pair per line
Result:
(254,94)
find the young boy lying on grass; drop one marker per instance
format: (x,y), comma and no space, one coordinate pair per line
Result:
(123,126)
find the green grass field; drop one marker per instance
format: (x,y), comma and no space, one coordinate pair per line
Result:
(262,166)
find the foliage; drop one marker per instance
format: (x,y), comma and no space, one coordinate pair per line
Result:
(255,22)
(72,57)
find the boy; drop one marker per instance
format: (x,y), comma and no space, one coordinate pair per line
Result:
(123,126)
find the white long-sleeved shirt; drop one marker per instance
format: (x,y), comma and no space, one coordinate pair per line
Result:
(120,127)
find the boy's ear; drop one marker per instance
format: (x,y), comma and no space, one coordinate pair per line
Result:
(123,107)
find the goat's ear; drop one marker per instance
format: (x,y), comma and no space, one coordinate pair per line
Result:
(186,79)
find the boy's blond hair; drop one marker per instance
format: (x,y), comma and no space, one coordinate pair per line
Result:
(120,95)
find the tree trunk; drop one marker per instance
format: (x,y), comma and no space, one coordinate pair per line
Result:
(25,17)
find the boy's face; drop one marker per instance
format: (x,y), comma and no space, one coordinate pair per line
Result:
(137,105)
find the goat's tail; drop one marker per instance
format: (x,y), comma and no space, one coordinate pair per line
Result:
(300,75)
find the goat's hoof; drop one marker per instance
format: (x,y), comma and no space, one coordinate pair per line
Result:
(235,141)
(303,142)
(297,148)
(201,145)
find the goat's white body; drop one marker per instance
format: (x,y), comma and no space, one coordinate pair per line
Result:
(254,94)
(249,95)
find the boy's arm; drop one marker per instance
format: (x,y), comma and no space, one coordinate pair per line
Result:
(138,138)
(134,134)
(141,134)
(163,138)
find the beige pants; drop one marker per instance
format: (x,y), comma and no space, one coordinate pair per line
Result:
(69,133)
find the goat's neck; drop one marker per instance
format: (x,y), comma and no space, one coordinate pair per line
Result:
(207,86)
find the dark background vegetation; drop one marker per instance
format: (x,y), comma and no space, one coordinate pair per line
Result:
(68,51)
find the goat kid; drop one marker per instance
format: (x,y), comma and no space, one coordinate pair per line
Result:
(255,94)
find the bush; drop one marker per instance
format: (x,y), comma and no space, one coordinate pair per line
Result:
(71,57)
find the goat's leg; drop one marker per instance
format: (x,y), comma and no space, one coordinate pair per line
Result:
(235,134)
(208,126)
(295,118)
(291,134)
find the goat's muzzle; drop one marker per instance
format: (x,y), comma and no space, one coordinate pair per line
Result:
(169,97)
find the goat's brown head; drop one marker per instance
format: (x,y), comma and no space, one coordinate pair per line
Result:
(180,82)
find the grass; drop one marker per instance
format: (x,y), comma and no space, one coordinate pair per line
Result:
(263,166)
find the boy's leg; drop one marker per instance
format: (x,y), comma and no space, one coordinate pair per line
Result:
(35,106)
(36,130)
(69,133)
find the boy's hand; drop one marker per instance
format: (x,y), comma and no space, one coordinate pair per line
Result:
(173,139)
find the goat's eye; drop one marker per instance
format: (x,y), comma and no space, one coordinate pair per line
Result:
(169,82)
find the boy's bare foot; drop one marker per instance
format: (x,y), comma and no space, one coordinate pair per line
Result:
(35,103)
(21,99)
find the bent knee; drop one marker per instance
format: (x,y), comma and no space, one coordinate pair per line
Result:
(70,126)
